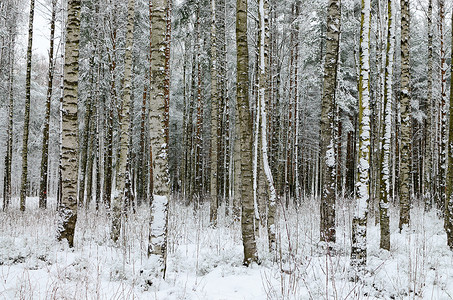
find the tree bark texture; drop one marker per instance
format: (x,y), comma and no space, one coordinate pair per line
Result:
(158,122)
(384,189)
(359,221)
(120,194)
(244,121)
(24,177)
(328,195)
(405,165)
(68,207)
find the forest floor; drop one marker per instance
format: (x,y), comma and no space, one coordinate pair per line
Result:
(206,263)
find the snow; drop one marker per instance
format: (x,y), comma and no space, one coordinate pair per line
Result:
(206,263)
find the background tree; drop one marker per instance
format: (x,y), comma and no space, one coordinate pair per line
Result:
(244,121)
(405,167)
(23,188)
(359,222)
(328,195)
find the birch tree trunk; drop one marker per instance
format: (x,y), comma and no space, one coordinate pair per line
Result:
(120,194)
(384,190)
(429,132)
(86,136)
(328,194)
(359,221)
(24,177)
(9,130)
(68,208)
(158,121)
(263,7)
(405,165)
(214,120)
(45,140)
(443,111)
(449,202)
(244,121)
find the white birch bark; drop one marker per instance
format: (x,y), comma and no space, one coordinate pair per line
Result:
(158,122)
(120,191)
(359,222)
(69,148)
(386,143)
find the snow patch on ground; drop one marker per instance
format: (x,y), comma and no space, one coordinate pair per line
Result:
(206,263)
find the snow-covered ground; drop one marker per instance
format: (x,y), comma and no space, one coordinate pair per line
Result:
(206,263)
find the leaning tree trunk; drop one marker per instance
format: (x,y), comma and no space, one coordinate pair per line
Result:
(405,165)
(119,193)
(328,194)
(384,189)
(244,121)
(158,121)
(68,208)
(23,184)
(45,134)
(358,251)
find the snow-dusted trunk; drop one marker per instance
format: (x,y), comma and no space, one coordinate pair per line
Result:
(236,171)
(45,138)
(223,103)
(84,139)
(449,203)
(405,138)
(244,121)
(142,161)
(119,194)
(9,130)
(429,132)
(91,141)
(214,120)
(68,207)
(60,120)
(328,195)
(359,221)
(443,109)
(263,93)
(158,122)
(384,194)
(24,177)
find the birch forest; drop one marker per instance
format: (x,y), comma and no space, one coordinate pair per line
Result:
(226,149)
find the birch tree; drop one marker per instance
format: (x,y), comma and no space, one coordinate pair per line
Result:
(405,138)
(244,121)
(120,193)
(24,177)
(328,194)
(359,221)
(429,132)
(449,199)
(45,139)
(443,110)
(263,90)
(12,32)
(68,208)
(214,120)
(384,193)
(158,122)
